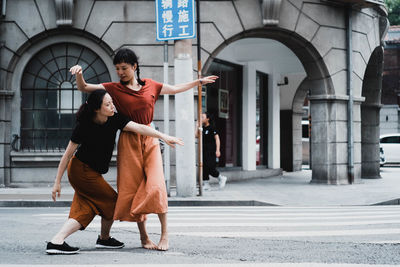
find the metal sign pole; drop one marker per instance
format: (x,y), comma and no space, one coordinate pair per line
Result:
(175,20)
(167,172)
(199,102)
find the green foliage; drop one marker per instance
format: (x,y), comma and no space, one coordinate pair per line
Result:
(394,11)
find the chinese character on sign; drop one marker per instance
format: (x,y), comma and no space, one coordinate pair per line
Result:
(167,30)
(183,30)
(167,16)
(175,19)
(183,16)
(182,3)
(166,4)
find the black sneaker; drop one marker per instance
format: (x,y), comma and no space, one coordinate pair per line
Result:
(60,249)
(109,243)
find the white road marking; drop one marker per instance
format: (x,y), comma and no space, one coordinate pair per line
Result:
(353,232)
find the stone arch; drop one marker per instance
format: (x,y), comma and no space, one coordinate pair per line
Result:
(370,108)
(39,42)
(315,67)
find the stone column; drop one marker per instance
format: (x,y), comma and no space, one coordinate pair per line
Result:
(249,117)
(5,136)
(370,167)
(274,139)
(329,139)
(184,121)
(297,141)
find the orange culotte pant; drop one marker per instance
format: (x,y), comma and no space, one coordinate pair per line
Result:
(93,195)
(140,178)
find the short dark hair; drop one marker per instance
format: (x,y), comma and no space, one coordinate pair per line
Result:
(209,116)
(125,55)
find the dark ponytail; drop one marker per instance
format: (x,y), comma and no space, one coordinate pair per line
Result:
(138,75)
(125,55)
(87,111)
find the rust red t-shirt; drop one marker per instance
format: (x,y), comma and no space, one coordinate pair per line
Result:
(136,105)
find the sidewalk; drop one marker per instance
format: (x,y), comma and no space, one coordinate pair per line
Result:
(290,189)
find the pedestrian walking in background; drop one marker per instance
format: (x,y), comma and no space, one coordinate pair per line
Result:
(211,152)
(94,139)
(140,181)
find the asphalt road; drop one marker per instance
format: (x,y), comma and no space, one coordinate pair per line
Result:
(290,236)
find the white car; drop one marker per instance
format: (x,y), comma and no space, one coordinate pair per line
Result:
(382,159)
(391,147)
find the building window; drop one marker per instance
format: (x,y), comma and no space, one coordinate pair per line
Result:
(49,98)
(3,4)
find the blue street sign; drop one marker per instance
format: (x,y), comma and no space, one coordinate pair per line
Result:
(175,19)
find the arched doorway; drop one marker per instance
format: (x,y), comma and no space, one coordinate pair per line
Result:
(283,118)
(49,98)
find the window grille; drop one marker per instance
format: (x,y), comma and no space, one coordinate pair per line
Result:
(49,98)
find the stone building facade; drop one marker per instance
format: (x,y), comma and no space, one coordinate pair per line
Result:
(276,51)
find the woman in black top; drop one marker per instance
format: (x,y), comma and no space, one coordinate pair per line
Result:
(211,151)
(94,137)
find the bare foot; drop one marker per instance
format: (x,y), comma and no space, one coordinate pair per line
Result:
(148,244)
(163,244)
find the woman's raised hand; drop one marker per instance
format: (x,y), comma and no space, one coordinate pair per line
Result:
(172,140)
(77,69)
(208,79)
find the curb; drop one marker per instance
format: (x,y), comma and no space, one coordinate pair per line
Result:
(171,203)
(389,202)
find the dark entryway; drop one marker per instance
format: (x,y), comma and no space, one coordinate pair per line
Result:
(262,119)
(224,102)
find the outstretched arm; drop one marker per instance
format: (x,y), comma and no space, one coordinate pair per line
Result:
(147,130)
(80,81)
(62,166)
(168,89)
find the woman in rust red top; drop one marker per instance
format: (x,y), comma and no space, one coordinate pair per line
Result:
(140,179)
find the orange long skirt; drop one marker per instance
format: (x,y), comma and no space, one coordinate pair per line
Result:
(140,178)
(93,195)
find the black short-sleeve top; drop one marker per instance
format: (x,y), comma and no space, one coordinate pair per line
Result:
(97,141)
(209,144)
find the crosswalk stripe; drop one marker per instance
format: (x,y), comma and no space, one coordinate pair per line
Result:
(379,224)
(173,218)
(311,233)
(274,264)
(252,224)
(266,218)
(286,208)
(269,215)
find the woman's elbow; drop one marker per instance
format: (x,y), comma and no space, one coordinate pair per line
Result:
(83,89)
